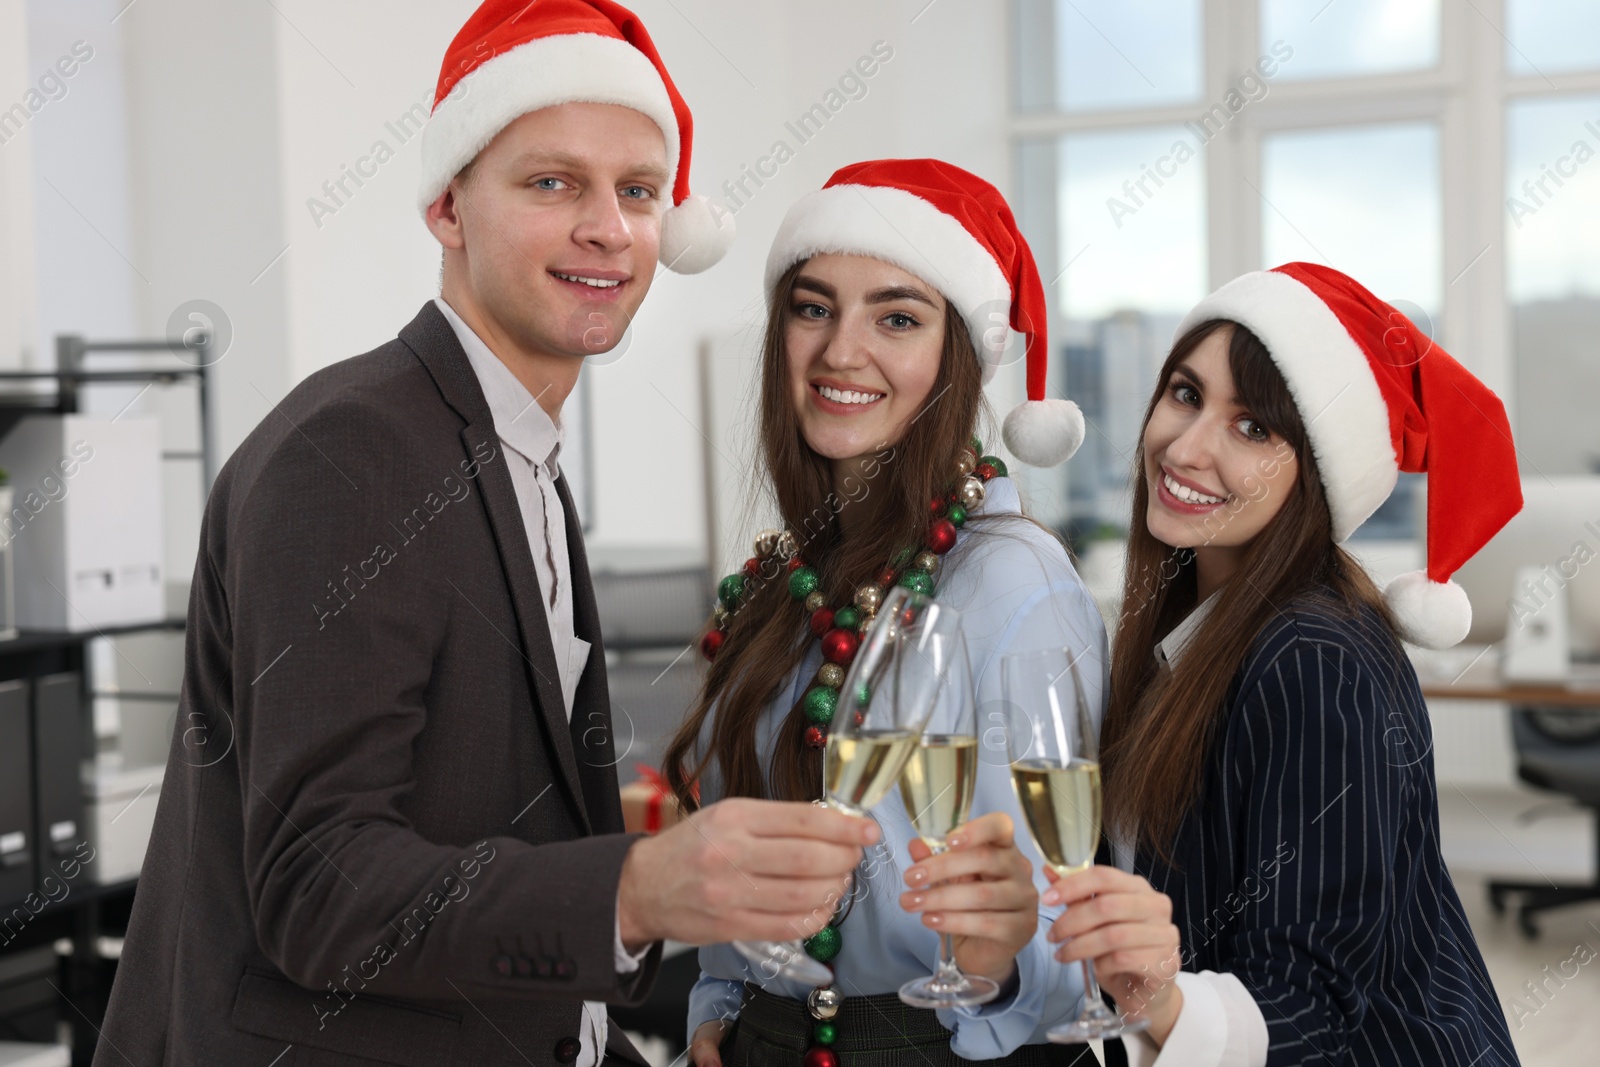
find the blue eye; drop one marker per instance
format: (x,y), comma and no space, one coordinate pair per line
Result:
(899,320)
(810,311)
(549,185)
(638,192)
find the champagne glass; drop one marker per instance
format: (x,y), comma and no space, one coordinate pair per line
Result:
(890,690)
(1055,767)
(937,786)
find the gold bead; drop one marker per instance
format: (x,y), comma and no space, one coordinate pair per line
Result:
(971,493)
(830,674)
(766,542)
(868,598)
(787,546)
(815,600)
(719,611)
(866,624)
(926,561)
(966,463)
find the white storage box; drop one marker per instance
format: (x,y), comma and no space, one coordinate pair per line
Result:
(85,522)
(119,808)
(21,1054)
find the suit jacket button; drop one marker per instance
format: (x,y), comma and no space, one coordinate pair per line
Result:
(567,1050)
(544,966)
(566,969)
(503,965)
(524,967)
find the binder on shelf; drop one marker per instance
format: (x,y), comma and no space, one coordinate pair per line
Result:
(16,794)
(58,751)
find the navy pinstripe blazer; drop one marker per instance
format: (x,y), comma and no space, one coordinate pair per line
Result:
(1310,868)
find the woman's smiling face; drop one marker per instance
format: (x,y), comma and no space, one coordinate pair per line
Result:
(863,340)
(1216,476)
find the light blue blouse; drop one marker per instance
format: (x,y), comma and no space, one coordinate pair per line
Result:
(1017,591)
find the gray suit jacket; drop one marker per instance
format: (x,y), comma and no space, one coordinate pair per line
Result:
(379,840)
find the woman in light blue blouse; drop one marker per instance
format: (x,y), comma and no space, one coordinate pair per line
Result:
(889,294)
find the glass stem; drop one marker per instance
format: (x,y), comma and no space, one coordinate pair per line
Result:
(1093,1003)
(947,969)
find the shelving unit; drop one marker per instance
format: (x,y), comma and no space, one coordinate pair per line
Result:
(82,914)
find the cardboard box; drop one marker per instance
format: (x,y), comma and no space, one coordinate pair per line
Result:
(85,523)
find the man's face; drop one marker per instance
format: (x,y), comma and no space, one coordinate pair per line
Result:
(558,226)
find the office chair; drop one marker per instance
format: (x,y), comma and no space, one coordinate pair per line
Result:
(1558,750)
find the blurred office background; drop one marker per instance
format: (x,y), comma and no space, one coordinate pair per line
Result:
(179,171)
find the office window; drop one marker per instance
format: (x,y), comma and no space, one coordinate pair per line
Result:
(1544,37)
(1364,199)
(1343,38)
(1552,229)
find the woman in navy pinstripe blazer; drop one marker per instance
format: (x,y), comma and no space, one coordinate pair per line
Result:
(1278,894)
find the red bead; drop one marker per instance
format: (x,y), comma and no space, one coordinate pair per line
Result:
(815,738)
(821,1056)
(752,567)
(985,471)
(821,621)
(886,577)
(711,643)
(794,564)
(839,646)
(937,506)
(941,536)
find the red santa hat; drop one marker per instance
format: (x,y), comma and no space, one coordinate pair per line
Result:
(517,56)
(1379,397)
(955,231)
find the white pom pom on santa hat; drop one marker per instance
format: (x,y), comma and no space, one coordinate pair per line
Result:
(696,234)
(1043,433)
(512,58)
(1429,613)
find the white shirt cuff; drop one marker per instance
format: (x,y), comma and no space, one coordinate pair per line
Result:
(1219,1025)
(627,962)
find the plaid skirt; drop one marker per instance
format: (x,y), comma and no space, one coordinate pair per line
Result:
(875,1031)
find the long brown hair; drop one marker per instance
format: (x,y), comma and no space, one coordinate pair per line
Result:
(1157,721)
(767,637)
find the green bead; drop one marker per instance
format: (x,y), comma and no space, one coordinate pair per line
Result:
(825,944)
(863,695)
(918,582)
(847,618)
(731,590)
(902,557)
(977,446)
(802,583)
(957,515)
(997,463)
(820,702)
(824,1033)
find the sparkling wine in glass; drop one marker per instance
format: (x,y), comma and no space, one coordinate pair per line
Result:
(1055,767)
(891,688)
(937,786)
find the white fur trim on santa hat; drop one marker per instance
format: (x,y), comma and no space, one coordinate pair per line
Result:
(1428,613)
(570,68)
(903,229)
(1043,433)
(1328,374)
(696,234)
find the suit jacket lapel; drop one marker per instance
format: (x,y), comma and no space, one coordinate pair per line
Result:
(429,335)
(593,723)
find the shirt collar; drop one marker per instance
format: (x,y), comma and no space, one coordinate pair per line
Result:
(519,420)
(1170,648)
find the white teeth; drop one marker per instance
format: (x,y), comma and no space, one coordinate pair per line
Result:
(1187,495)
(847,396)
(595,283)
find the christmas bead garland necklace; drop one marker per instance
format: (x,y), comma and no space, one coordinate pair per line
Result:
(840,630)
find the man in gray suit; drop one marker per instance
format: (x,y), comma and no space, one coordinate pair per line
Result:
(390,831)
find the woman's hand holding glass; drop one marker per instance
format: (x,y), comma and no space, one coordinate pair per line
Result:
(982,895)
(1123,925)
